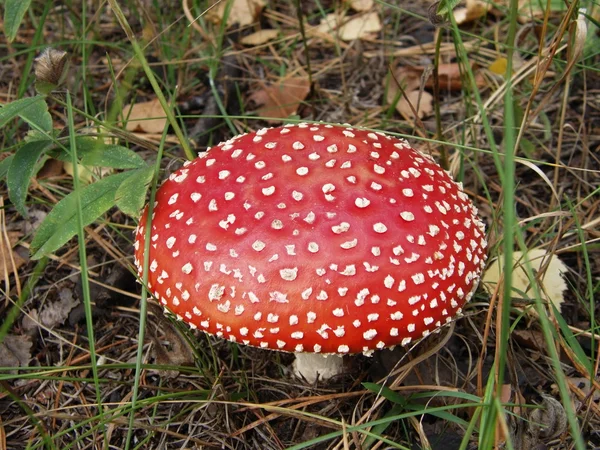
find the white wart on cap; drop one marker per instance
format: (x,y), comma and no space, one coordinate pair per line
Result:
(313,238)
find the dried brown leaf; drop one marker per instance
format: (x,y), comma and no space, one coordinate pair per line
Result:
(260,37)
(549,421)
(409,80)
(531,339)
(170,348)
(147,117)
(242,12)
(408,77)
(51,168)
(361,26)
(15,351)
(449,77)
(281,100)
(55,313)
(421,102)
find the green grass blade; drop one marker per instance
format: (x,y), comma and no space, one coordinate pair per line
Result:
(85,282)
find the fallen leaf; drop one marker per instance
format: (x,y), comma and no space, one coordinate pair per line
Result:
(422,103)
(549,421)
(361,5)
(33,220)
(498,66)
(552,283)
(170,348)
(449,76)
(531,339)
(361,26)
(10,260)
(281,100)
(473,10)
(147,117)
(55,313)
(51,168)
(242,12)
(408,77)
(15,351)
(259,37)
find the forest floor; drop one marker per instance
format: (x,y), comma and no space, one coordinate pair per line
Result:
(513,113)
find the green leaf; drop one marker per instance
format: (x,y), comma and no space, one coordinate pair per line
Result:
(61,224)
(131,195)
(13,109)
(21,170)
(386,392)
(95,153)
(4,165)
(14,11)
(38,116)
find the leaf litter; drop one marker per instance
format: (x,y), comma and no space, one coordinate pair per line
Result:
(282,99)
(348,86)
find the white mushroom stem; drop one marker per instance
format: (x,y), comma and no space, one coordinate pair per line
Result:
(313,366)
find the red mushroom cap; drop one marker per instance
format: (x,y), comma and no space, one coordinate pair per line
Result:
(313,238)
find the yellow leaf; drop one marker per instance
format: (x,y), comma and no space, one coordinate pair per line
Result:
(259,37)
(361,5)
(552,284)
(499,66)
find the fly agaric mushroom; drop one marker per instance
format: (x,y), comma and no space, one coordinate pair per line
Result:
(313,239)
